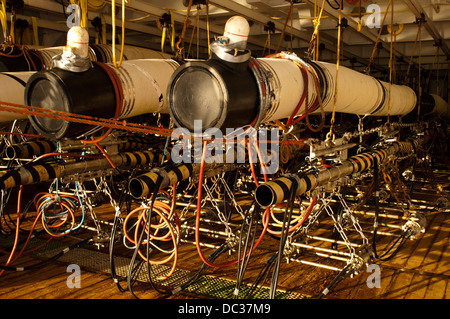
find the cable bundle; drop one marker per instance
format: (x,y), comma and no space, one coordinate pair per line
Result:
(57,212)
(154,228)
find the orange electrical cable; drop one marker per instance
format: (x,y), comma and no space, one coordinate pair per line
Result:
(16,239)
(68,205)
(83,119)
(165,213)
(65,202)
(118,91)
(197,221)
(308,212)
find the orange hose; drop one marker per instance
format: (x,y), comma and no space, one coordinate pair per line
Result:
(16,239)
(118,90)
(308,212)
(165,213)
(69,206)
(197,221)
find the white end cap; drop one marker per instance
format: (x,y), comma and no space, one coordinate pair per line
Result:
(237,30)
(78,41)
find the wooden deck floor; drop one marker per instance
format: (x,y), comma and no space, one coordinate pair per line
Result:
(421,270)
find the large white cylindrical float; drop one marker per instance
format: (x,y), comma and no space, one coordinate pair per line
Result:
(137,87)
(12,85)
(360,94)
(232,90)
(441,107)
(144,83)
(284,87)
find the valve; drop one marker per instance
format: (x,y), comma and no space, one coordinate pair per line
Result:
(415,225)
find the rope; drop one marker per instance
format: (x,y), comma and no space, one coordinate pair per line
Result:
(183,31)
(413,51)
(207,27)
(113,23)
(378,39)
(83,119)
(338,58)
(3,19)
(391,65)
(315,36)
(432,67)
(284,27)
(420,73)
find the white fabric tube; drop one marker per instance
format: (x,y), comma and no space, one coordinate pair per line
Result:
(47,55)
(402,100)
(441,107)
(12,91)
(357,93)
(287,85)
(78,41)
(132,53)
(144,84)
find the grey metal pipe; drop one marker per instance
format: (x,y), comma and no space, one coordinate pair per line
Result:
(278,190)
(35,173)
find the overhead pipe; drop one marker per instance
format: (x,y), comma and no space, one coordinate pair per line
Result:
(232,89)
(276,191)
(18,58)
(41,147)
(16,70)
(35,173)
(11,90)
(144,184)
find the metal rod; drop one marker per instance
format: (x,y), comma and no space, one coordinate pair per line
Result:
(316,264)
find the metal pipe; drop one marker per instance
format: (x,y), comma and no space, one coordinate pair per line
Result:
(141,186)
(310,263)
(276,191)
(29,149)
(331,251)
(275,88)
(11,90)
(34,173)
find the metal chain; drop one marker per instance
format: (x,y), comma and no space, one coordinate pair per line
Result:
(88,203)
(354,220)
(221,216)
(108,192)
(337,224)
(232,197)
(312,219)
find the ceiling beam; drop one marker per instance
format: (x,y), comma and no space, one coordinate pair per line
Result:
(251,14)
(180,18)
(419,12)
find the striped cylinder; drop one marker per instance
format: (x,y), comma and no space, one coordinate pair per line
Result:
(145,184)
(29,149)
(34,173)
(29,175)
(11,91)
(278,190)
